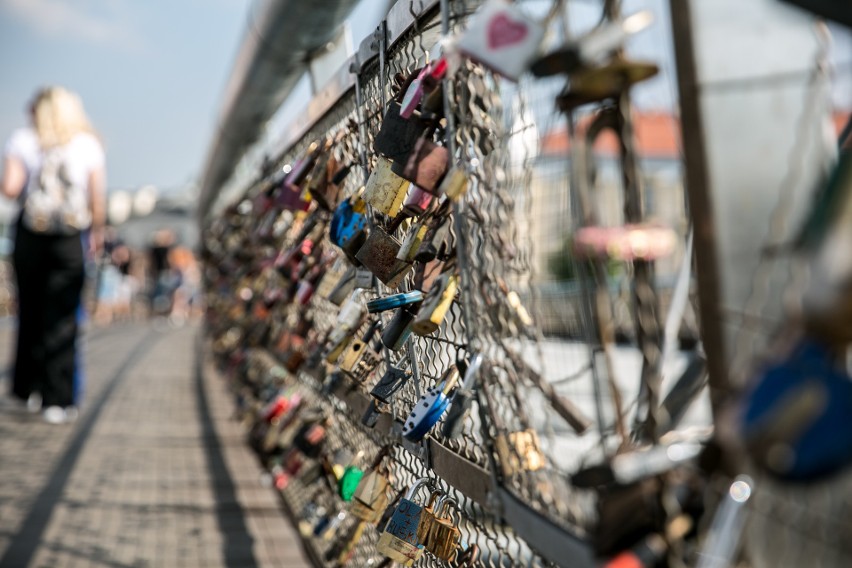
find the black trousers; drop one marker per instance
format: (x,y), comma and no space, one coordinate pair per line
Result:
(50,275)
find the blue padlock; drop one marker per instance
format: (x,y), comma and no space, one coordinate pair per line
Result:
(394,301)
(797,418)
(348,221)
(431,406)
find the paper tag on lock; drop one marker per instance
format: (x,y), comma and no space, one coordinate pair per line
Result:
(502,37)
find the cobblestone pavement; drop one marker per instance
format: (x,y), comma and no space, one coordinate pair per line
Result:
(153,473)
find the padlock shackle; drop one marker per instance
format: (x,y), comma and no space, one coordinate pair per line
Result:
(412,491)
(472,371)
(449,380)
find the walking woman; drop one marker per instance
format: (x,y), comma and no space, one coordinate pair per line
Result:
(55,168)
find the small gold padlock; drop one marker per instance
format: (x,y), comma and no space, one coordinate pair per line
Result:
(436,304)
(427,517)
(385,190)
(444,535)
(371,499)
(519,451)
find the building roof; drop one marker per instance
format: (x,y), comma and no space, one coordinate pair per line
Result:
(657,136)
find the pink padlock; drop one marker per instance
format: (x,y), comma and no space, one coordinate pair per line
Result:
(417,201)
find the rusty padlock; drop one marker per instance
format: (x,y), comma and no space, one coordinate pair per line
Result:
(379,255)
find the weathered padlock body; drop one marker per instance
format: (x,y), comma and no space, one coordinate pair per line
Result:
(378,255)
(426,166)
(385,190)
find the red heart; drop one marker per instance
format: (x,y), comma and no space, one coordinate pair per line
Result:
(503,31)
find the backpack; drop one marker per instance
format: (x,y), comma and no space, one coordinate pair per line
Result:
(54,204)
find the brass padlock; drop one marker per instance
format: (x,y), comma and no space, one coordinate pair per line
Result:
(371,496)
(597,83)
(436,304)
(427,517)
(385,190)
(444,535)
(519,451)
(379,256)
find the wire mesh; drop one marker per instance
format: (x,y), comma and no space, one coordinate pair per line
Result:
(522,303)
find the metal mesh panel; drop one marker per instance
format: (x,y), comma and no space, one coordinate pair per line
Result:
(504,262)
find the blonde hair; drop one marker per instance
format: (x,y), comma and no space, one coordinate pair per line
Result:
(58,116)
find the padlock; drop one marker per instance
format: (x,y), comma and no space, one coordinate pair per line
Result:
(595,84)
(426,82)
(398,330)
(417,201)
(502,37)
(351,311)
(398,136)
(393,380)
(394,301)
(348,482)
(345,284)
(431,406)
(303,166)
(426,165)
(412,242)
(436,304)
(378,254)
(795,419)
(454,185)
(338,341)
(462,400)
(428,516)
(349,223)
(519,451)
(444,535)
(385,190)
(398,540)
(371,498)
(435,242)
(360,357)
(591,49)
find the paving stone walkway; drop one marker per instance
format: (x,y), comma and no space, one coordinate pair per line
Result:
(154,472)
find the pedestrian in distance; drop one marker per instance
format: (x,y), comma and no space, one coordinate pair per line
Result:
(55,168)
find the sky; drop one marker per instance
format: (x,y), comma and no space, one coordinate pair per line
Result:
(151,74)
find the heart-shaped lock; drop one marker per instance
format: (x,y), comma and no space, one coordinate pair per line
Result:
(502,37)
(431,406)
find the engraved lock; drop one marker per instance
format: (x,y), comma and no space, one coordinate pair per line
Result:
(393,380)
(379,255)
(430,407)
(519,451)
(385,190)
(444,535)
(502,37)
(398,540)
(436,304)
